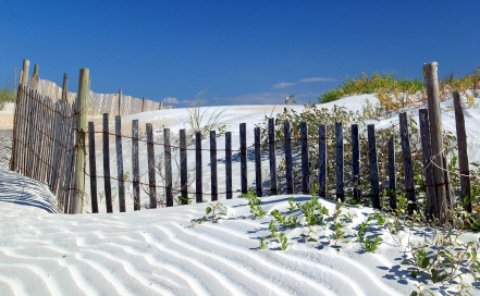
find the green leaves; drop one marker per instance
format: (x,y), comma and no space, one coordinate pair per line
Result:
(372,244)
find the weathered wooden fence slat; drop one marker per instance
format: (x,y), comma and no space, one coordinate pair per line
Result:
(243,157)
(168,167)
(228,164)
(92,164)
(198,166)
(272,156)
(287,147)
(374,180)
(340,188)
(392,182)
(183,164)
(305,160)
(120,173)
(355,162)
(465,195)
(427,155)
(152,183)
(213,166)
(135,167)
(258,162)
(322,160)
(407,163)
(106,165)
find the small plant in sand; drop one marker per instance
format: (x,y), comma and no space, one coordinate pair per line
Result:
(214,212)
(254,204)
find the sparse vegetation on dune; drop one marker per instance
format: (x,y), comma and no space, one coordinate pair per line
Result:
(394,93)
(6,95)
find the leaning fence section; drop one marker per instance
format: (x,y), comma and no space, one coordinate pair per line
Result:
(43,147)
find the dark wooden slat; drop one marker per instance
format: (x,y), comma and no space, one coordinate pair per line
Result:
(243,158)
(287,146)
(466,193)
(374,180)
(258,162)
(392,181)
(135,167)
(355,162)
(120,174)
(198,166)
(427,155)
(407,163)
(106,164)
(183,164)
(168,167)
(93,167)
(305,161)
(152,184)
(339,162)
(272,156)
(228,164)
(322,161)
(213,166)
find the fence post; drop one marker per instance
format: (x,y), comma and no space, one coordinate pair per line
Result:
(135,167)
(81,106)
(258,162)
(183,164)
(407,163)
(243,157)
(374,181)
(272,157)
(439,205)
(228,164)
(322,161)
(168,167)
(65,88)
(355,161)
(198,166)
(24,74)
(120,176)
(93,166)
(462,153)
(392,181)
(339,161)
(106,164)
(305,161)
(143,104)
(287,138)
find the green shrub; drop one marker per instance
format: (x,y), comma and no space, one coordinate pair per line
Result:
(369,85)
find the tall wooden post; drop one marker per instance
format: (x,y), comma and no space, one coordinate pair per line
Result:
(24,74)
(439,205)
(65,88)
(80,132)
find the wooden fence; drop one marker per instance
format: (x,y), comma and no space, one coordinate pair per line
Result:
(42,146)
(296,152)
(49,145)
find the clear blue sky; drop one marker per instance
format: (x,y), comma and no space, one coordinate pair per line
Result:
(235,52)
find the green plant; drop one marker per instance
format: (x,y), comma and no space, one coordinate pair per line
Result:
(213,212)
(273,229)
(283,240)
(254,204)
(372,244)
(361,232)
(263,244)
